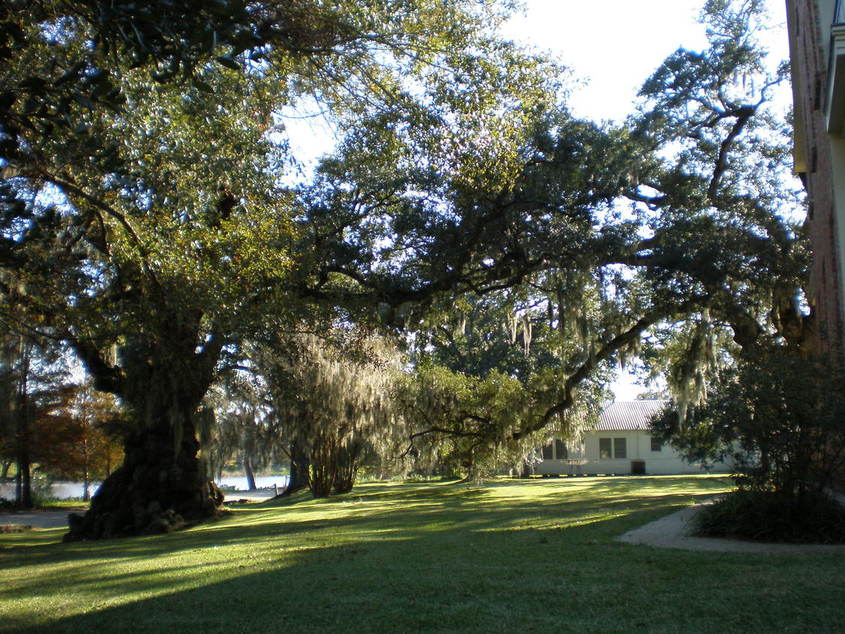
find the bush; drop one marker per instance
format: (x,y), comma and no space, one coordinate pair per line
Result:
(774,517)
(778,418)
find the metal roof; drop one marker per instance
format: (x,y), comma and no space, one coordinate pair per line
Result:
(629,415)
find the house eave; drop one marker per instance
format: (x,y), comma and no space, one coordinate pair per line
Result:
(835,110)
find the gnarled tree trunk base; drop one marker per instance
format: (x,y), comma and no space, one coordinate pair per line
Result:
(152,492)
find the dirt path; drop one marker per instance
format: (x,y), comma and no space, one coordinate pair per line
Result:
(672,531)
(36,519)
(58,519)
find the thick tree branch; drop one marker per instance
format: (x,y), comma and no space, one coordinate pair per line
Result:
(743,114)
(605,352)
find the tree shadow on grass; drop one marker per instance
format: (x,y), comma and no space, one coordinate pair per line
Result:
(387,559)
(381,509)
(466,575)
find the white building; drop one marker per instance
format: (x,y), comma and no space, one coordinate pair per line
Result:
(621,443)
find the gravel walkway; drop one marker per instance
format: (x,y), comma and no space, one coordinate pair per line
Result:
(672,531)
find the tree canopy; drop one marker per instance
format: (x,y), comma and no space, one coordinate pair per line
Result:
(148,222)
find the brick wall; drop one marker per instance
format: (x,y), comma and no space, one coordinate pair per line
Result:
(809,70)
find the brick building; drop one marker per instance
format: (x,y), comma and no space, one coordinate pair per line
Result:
(817,48)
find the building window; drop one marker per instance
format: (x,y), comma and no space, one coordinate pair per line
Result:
(612,448)
(561,452)
(656,444)
(555,450)
(619,448)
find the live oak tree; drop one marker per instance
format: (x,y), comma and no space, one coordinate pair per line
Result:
(673,228)
(143,222)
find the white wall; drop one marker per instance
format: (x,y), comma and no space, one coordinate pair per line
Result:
(585,459)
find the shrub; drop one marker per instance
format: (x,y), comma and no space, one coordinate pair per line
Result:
(779,418)
(774,517)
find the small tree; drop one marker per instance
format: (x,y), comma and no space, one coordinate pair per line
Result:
(76,436)
(32,378)
(778,417)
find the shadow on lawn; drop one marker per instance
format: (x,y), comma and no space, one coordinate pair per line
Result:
(421,553)
(397,509)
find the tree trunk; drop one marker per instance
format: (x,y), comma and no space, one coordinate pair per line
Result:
(164,371)
(299,467)
(250,472)
(323,467)
(86,487)
(23,481)
(347,468)
(161,486)
(23,484)
(5,465)
(86,484)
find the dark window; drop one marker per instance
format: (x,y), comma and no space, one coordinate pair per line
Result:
(561,453)
(547,452)
(605,448)
(656,444)
(619,449)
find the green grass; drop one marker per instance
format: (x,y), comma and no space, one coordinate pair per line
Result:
(64,504)
(511,556)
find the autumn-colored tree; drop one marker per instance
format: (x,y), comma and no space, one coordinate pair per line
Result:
(32,379)
(75,436)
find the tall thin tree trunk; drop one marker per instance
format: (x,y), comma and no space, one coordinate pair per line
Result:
(250,472)
(23,482)
(86,484)
(86,487)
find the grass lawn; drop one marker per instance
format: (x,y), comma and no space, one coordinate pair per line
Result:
(511,556)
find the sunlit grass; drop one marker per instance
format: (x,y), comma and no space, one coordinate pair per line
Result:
(510,555)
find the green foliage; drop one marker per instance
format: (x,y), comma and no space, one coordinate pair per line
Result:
(770,516)
(333,400)
(490,371)
(143,220)
(460,423)
(777,417)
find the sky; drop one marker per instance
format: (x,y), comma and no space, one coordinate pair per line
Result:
(614,46)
